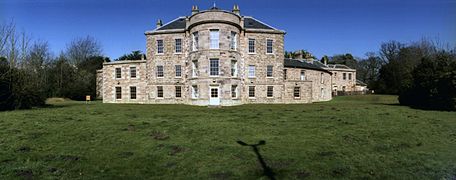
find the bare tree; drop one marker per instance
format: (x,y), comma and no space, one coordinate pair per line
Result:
(80,49)
(390,50)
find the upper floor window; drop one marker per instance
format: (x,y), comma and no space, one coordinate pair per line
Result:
(133,92)
(233,68)
(269,46)
(285,74)
(233,41)
(251,45)
(132,72)
(118,73)
(160,72)
(178,45)
(344,76)
(214,67)
(269,71)
(321,78)
(349,76)
(214,38)
(195,69)
(303,75)
(251,71)
(195,41)
(178,70)
(160,46)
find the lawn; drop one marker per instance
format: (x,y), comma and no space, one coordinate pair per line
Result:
(357,137)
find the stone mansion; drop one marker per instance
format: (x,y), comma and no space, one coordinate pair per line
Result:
(221,58)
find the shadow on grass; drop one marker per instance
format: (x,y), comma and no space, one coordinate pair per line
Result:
(267,171)
(425,108)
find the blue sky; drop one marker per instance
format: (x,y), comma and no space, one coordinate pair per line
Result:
(324,27)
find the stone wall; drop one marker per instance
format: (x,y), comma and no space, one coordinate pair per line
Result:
(338,83)
(110,82)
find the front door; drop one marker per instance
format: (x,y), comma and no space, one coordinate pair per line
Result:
(214,96)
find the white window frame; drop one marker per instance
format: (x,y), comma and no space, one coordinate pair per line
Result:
(234,71)
(269,67)
(178,70)
(272,91)
(251,90)
(267,46)
(233,41)
(216,73)
(115,93)
(162,46)
(162,71)
(195,41)
(176,88)
(251,71)
(178,46)
(136,93)
(120,73)
(214,39)
(136,72)
(251,46)
(162,90)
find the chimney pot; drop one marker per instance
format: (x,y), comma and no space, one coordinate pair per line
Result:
(195,9)
(159,23)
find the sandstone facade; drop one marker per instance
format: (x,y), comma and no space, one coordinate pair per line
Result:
(215,57)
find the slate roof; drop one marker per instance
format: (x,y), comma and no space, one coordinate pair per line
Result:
(252,23)
(178,23)
(339,66)
(294,63)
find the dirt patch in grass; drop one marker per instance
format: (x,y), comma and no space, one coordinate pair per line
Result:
(125,154)
(302,174)
(221,175)
(157,135)
(176,150)
(24,149)
(25,173)
(130,127)
(66,158)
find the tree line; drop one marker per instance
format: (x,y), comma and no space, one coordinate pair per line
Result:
(30,73)
(422,73)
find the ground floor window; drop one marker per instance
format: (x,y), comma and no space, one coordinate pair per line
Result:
(195,92)
(251,91)
(178,91)
(214,92)
(118,93)
(234,91)
(270,91)
(133,92)
(160,91)
(297,92)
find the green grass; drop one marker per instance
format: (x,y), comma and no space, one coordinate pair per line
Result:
(357,137)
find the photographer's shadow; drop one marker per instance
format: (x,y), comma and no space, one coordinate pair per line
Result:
(267,171)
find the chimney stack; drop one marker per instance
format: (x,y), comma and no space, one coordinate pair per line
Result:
(194,9)
(236,10)
(159,23)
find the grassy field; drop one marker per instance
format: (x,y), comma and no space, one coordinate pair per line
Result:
(362,137)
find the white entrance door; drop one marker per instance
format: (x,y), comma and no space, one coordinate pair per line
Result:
(214,96)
